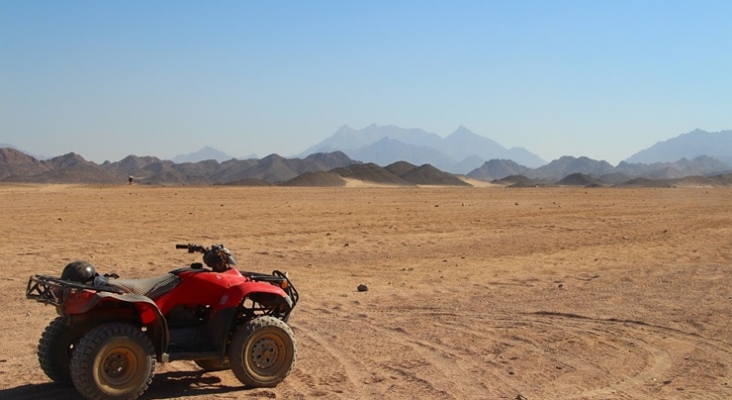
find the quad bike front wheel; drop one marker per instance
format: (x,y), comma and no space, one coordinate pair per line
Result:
(55,348)
(263,352)
(113,361)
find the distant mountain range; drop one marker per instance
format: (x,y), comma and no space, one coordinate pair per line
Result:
(600,170)
(16,166)
(463,151)
(402,150)
(689,145)
(319,169)
(460,152)
(330,169)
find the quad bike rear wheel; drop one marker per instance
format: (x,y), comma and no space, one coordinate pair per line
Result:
(213,365)
(263,352)
(113,361)
(55,348)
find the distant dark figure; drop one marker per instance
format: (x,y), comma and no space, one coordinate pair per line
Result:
(130,179)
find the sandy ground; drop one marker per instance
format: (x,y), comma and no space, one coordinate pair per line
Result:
(481,293)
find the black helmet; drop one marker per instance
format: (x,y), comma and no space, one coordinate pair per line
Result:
(219,258)
(79,271)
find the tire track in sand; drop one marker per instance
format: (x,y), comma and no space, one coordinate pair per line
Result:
(347,374)
(371,374)
(662,345)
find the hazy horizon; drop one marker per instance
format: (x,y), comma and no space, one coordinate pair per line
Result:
(206,149)
(602,80)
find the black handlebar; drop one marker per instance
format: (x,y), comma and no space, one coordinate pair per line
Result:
(192,248)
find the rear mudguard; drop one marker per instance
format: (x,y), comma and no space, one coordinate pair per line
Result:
(91,309)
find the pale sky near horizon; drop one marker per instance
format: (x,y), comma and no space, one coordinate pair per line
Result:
(602,79)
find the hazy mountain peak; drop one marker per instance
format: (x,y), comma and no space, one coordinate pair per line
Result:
(690,145)
(206,153)
(344,129)
(419,147)
(462,131)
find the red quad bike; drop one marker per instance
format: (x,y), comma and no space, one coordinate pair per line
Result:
(110,331)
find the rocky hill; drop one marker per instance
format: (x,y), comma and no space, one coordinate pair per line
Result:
(371,172)
(320,169)
(580,179)
(272,168)
(601,170)
(429,175)
(316,179)
(498,169)
(16,166)
(400,167)
(14,163)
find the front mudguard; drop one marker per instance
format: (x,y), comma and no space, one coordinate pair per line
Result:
(237,294)
(233,311)
(92,309)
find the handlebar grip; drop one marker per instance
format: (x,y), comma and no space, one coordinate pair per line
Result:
(181,246)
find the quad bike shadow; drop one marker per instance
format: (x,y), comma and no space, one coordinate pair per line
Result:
(31,391)
(165,385)
(181,384)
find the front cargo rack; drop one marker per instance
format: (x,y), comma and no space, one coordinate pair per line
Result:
(276,278)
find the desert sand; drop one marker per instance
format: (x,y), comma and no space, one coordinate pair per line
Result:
(475,293)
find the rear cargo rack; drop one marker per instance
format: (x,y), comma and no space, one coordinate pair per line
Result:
(49,290)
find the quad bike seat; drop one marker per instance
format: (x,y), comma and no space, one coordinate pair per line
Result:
(153,288)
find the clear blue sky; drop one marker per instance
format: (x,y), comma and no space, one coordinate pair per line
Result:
(601,79)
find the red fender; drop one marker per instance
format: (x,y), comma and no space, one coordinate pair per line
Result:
(147,311)
(235,295)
